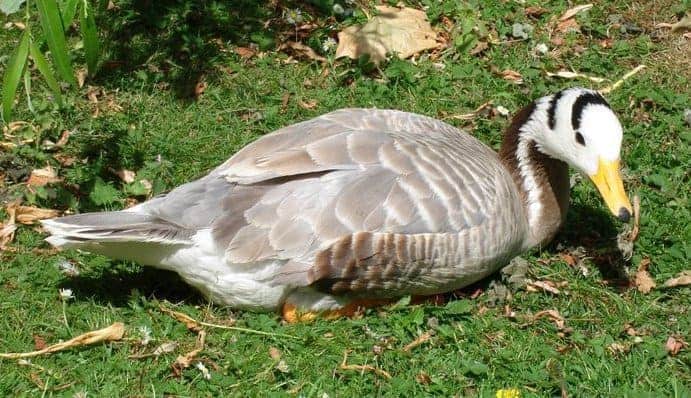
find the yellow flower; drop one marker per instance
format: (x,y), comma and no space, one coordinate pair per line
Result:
(509,393)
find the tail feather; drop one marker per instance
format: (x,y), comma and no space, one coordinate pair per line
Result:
(115,226)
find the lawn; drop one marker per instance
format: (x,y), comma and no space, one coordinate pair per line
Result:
(182,87)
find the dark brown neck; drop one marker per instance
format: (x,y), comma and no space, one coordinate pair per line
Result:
(543,182)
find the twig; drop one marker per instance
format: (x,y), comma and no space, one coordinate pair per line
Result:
(636,218)
(564,74)
(111,333)
(363,368)
(423,338)
(471,115)
(619,82)
(191,322)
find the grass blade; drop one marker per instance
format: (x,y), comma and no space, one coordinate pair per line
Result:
(90,37)
(13,74)
(51,22)
(46,71)
(68,11)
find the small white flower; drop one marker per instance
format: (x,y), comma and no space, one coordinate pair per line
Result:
(502,110)
(542,48)
(328,44)
(145,332)
(205,372)
(66,294)
(338,9)
(294,17)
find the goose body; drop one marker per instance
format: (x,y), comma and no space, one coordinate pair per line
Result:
(356,204)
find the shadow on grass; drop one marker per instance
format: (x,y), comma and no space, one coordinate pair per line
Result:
(179,41)
(115,287)
(596,231)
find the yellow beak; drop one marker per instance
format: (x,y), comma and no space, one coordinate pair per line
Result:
(608,182)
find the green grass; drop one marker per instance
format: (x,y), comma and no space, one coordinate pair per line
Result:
(169,139)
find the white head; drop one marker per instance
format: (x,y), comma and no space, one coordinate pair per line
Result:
(577,126)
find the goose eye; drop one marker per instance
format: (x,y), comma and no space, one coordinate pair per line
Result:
(580,139)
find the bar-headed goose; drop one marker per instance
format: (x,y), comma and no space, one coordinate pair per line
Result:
(363,205)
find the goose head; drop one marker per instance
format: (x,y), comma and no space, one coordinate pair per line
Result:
(578,127)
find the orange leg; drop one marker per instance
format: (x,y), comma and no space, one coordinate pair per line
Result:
(291,314)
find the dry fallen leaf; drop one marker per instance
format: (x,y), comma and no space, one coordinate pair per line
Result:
(244,52)
(618,348)
(404,31)
(535,11)
(8,227)
(644,283)
(39,343)
(185,361)
(571,12)
(308,104)
(423,378)
(189,322)
(199,89)
(113,332)
(546,286)
(42,177)
(682,279)
(274,353)
(302,51)
(554,315)
(512,75)
(675,344)
(127,176)
(569,25)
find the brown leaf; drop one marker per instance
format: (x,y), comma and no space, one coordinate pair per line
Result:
(423,378)
(569,25)
(62,141)
(571,12)
(644,283)
(512,75)
(568,259)
(545,286)
(8,227)
(404,31)
(39,342)
(31,214)
(675,344)
(535,11)
(618,348)
(682,279)
(199,89)
(479,47)
(245,52)
(274,353)
(113,332)
(42,177)
(64,160)
(127,176)
(302,51)
(554,315)
(308,104)
(185,361)
(81,77)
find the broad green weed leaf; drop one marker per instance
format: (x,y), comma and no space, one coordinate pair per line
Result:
(13,74)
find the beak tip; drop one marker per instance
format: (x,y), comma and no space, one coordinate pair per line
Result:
(624,214)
